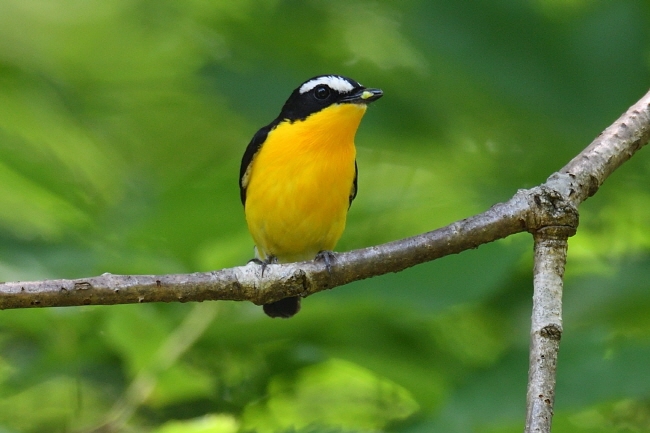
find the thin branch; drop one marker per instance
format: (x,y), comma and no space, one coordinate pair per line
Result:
(584,174)
(246,282)
(546,326)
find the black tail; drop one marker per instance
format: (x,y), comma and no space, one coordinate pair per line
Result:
(284,308)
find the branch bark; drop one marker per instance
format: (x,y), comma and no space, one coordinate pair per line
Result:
(549,211)
(546,327)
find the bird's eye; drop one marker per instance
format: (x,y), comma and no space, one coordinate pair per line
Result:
(322,92)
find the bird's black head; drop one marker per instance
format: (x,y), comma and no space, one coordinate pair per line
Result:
(322,91)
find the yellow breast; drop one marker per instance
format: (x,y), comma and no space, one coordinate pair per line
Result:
(300,181)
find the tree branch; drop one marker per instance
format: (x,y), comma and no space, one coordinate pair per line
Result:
(246,282)
(584,174)
(546,326)
(528,210)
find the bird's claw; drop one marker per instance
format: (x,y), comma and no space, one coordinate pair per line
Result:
(264,263)
(328,257)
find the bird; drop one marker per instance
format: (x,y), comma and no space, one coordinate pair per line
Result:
(298,175)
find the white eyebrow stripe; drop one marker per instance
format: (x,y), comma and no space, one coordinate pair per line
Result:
(339,84)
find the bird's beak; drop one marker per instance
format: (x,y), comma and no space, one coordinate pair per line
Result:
(363,96)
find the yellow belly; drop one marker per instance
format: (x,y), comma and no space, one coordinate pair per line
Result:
(298,192)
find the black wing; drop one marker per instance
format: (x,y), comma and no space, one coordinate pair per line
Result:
(253,147)
(353,191)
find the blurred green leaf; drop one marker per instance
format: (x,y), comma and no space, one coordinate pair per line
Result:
(139,343)
(122,124)
(335,393)
(206,424)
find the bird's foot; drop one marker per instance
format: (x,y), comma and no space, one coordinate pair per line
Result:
(264,263)
(283,308)
(328,257)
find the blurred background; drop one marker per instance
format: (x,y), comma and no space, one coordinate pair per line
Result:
(122,125)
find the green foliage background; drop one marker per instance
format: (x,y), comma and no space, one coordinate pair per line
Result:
(122,124)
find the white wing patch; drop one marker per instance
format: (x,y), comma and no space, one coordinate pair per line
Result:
(339,84)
